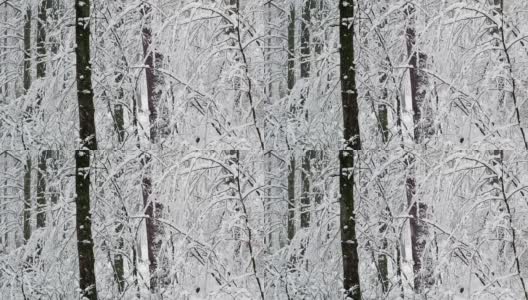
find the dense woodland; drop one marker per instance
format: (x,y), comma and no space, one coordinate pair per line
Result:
(263,149)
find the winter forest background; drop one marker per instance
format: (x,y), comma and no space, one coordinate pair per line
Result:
(263,149)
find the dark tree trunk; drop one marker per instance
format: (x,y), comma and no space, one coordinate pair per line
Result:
(349,243)
(27,63)
(27,198)
(119,122)
(88,143)
(291,199)
(27,50)
(422,130)
(87,132)
(348,74)
(153,60)
(291,84)
(41,44)
(118,257)
(85,246)
(306,189)
(153,209)
(41,190)
(419,231)
(351,135)
(383,122)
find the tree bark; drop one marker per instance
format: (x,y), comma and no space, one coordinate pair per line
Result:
(27,63)
(291,84)
(87,132)
(87,281)
(41,44)
(422,130)
(27,50)
(88,143)
(27,199)
(153,209)
(154,79)
(291,199)
(351,135)
(41,190)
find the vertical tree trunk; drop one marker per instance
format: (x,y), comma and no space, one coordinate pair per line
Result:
(153,209)
(41,195)
(27,64)
(27,198)
(153,60)
(351,135)
(418,210)
(291,199)
(41,189)
(88,143)
(305,75)
(119,120)
(118,257)
(291,84)
(383,121)
(306,48)
(27,50)
(27,85)
(41,43)
(87,281)
(41,73)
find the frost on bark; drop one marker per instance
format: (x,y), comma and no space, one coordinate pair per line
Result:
(27,62)
(41,44)
(291,199)
(27,198)
(27,50)
(88,143)
(153,209)
(291,84)
(423,129)
(346,157)
(153,60)
(422,110)
(87,282)
(41,189)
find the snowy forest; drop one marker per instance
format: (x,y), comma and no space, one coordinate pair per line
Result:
(263,149)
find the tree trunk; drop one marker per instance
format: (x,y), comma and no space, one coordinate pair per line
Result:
(27,50)
(306,189)
(41,195)
(27,199)
(118,257)
(305,49)
(383,122)
(41,44)
(119,121)
(154,78)
(88,143)
(27,63)
(87,132)
(87,282)
(422,130)
(41,189)
(351,135)
(153,209)
(291,84)
(291,199)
